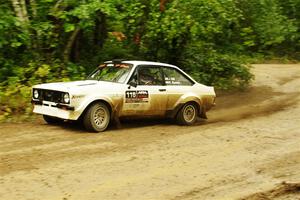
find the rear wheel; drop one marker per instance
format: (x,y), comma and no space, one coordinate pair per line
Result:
(52,120)
(97,117)
(187,115)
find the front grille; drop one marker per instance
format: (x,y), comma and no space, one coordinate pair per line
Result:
(51,95)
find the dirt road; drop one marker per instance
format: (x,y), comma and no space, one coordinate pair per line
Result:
(248,149)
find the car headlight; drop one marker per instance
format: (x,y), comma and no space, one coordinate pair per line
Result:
(36,94)
(66,98)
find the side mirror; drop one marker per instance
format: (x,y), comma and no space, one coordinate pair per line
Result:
(132,84)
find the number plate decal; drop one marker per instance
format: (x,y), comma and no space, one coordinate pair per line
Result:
(138,96)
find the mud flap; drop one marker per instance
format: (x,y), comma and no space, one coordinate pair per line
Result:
(202,112)
(116,119)
(173,113)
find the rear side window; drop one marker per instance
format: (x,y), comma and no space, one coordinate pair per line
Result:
(174,77)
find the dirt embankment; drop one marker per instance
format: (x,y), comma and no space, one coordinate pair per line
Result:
(248,149)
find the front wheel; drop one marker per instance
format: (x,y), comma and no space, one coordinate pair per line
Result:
(187,114)
(97,117)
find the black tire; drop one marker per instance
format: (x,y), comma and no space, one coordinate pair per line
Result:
(52,120)
(97,117)
(187,115)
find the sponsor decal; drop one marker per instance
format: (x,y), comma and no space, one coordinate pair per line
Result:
(138,96)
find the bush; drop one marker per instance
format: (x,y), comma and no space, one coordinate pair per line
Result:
(15,92)
(210,67)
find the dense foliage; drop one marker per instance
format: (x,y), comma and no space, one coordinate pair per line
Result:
(52,40)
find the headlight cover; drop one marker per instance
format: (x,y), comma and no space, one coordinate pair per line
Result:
(66,98)
(36,94)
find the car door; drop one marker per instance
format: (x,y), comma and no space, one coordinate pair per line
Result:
(149,97)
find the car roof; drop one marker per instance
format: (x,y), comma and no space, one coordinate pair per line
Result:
(140,62)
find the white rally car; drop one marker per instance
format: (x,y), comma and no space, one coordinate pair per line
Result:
(125,89)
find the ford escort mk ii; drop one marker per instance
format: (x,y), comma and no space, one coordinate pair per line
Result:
(125,89)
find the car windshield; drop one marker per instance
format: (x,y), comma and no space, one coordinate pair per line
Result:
(111,72)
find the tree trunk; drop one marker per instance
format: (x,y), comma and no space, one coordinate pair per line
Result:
(18,10)
(33,8)
(21,13)
(100,32)
(75,52)
(70,44)
(24,10)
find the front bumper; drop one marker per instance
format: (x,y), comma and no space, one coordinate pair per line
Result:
(54,109)
(57,105)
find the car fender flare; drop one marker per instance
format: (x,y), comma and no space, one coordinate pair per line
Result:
(185,99)
(94,99)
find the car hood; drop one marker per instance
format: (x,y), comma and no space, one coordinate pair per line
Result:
(75,85)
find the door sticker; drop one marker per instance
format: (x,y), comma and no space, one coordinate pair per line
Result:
(138,96)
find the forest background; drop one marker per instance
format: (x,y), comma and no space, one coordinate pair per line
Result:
(213,40)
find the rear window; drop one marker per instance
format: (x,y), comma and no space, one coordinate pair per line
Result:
(175,77)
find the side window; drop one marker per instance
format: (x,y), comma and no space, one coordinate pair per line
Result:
(149,75)
(175,77)
(133,78)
